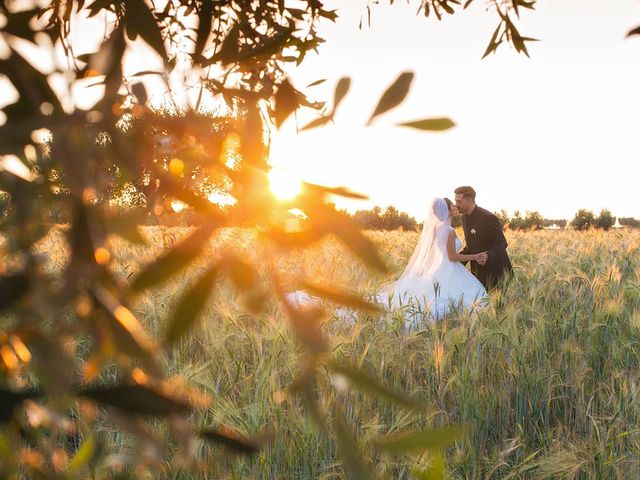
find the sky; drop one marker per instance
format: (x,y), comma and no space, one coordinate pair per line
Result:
(554,133)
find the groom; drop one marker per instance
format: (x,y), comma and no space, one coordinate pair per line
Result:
(483,233)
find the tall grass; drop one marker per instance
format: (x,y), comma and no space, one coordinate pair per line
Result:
(548,377)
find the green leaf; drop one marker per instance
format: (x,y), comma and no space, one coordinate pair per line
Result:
(140,20)
(125,225)
(108,60)
(297,239)
(329,14)
(317,82)
(394,95)
(80,235)
(83,455)
(494,42)
(360,245)
(421,441)
(233,440)
(370,384)
(129,335)
(230,52)
(137,399)
(340,191)
(430,124)
(349,233)
(190,307)
(435,471)
(242,274)
(635,31)
(316,123)
(304,385)
(205,16)
(146,72)
(341,297)
(353,461)
(174,260)
(286,102)
(307,327)
(342,88)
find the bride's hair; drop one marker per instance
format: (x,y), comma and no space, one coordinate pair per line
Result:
(440,208)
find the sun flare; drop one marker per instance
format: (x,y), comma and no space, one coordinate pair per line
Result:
(177,206)
(284,185)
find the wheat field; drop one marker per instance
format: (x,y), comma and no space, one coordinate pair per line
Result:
(547,378)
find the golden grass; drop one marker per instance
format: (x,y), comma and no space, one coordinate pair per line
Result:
(548,379)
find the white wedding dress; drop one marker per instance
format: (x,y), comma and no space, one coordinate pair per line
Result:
(431,285)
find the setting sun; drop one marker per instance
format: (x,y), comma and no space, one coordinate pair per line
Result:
(177,206)
(284,185)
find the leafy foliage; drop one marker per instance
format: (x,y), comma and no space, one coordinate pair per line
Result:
(605,220)
(531,221)
(505,33)
(583,219)
(390,219)
(629,222)
(71,339)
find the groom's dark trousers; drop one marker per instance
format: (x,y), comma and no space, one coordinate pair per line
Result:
(483,233)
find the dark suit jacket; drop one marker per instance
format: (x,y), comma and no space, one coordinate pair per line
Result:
(483,233)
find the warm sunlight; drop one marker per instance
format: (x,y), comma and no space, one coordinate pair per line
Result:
(220,198)
(178,206)
(284,185)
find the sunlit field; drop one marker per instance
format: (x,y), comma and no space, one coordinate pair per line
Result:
(547,379)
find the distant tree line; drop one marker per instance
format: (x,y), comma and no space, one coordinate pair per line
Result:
(583,220)
(389,219)
(629,222)
(392,219)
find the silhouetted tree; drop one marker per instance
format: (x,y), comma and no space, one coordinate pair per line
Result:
(605,220)
(503,218)
(533,221)
(391,219)
(629,222)
(583,219)
(516,222)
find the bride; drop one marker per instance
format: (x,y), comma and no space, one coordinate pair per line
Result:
(434,278)
(434,281)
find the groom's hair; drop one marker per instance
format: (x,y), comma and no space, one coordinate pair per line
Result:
(466,192)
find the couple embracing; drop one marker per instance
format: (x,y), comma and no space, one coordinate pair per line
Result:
(435,277)
(435,281)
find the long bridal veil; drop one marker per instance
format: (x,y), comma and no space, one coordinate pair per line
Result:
(431,251)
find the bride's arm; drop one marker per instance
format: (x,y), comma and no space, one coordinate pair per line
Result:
(451,250)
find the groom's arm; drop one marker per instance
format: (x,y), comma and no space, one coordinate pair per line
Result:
(496,238)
